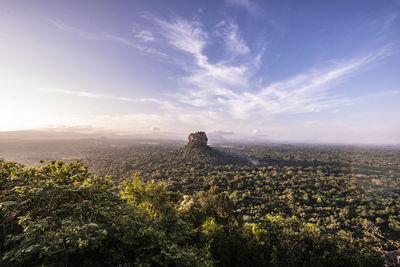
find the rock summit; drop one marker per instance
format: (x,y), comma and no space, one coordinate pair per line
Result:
(198,137)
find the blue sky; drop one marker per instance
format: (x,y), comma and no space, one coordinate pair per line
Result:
(319,71)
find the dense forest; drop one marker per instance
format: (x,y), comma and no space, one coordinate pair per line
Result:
(163,204)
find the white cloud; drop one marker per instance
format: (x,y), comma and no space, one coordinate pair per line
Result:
(234,43)
(145,36)
(110,38)
(303,93)
(74,93)
(162,103)
(246,4)
(224,92)
(189,37)
(184,35)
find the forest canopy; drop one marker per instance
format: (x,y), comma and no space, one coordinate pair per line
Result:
(61,214)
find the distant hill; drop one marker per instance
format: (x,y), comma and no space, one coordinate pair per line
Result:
(74,133)
(194,153)
(188,163)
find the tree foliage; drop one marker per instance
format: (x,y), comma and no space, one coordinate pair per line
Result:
(301,208)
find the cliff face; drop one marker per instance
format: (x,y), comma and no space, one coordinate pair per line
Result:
(198,153)
(391,258)
(200,137)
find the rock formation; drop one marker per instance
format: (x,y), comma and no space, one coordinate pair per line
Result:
(198,154)
(391,258)
(199,137)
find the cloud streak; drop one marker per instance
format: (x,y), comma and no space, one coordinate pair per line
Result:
(248,5)
(225,88)
(234,43)
(106,37)
(162,103)
(213,92)
(190,38)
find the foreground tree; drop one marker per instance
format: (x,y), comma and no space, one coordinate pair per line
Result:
(61,215)
(56,213)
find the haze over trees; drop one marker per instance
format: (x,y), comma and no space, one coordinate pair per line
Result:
(233,205)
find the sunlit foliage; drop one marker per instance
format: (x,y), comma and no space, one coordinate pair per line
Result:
(59,214)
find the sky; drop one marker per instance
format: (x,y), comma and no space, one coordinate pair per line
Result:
(290,71)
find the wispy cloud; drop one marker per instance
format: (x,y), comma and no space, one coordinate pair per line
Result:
(225,89)
(214,92)
(141,36)
(184,35)
(145,36)
(246,4)
(75,93)
(384,23)
(302,93)
(189,37)
(162,103)
(234,43)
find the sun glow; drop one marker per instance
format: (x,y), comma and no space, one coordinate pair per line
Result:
(24,107)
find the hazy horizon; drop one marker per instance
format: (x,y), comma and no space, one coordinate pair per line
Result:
(65,134)
(285,71)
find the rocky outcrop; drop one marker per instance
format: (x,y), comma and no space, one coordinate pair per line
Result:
(391,258)
(199,137)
